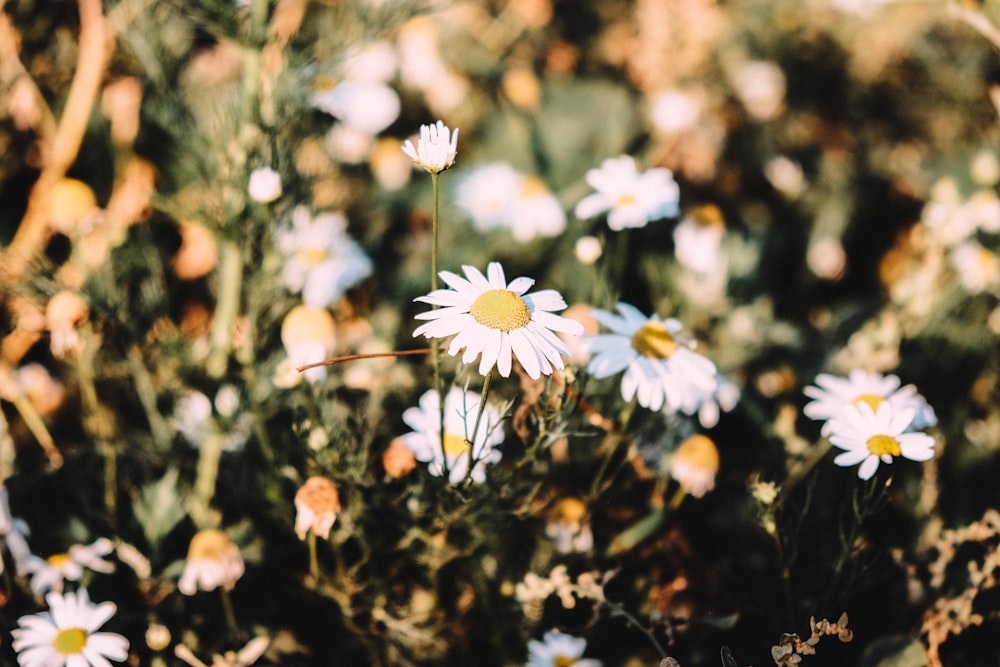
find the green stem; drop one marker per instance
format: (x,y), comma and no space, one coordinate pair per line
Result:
(227,308)
(475,429)
(435,352)
(313,559)
(204,485)
(229,612)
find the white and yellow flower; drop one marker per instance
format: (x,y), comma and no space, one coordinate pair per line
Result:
(497,321)
(831,394)
(460,410)
(559,650)
(661,369)
(213,560)
(321,260)
(870,436)
(632,199)
(435,150)
(67,634)
(49,574)
(495,195)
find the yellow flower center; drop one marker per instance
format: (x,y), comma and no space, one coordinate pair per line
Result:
(654,341)
(625,200)
(455,445)
(70,641)
(871,400)
(58,560)
(532,186)
(563,661)
(500,309)
(313,256)
(883,444)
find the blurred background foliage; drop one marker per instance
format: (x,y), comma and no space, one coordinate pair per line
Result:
(849,147)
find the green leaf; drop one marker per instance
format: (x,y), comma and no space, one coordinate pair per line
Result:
(158,509)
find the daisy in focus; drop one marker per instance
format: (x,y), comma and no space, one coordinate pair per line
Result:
(49,574)
(559,650)
(460,410)
(630,198)
(833,393)
(497,321)
(661,369)
(67,634)
(870,436)
(435,150)
(321,260)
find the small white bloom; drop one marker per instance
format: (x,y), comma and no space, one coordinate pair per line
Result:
(834,393)
(709,405)
(698,239)
(588,249)
(632,199)
(321,259)
(661,368)
(66,634)
(348,144)
(49,574)
(265,185)
(500,321)
(674,111)
(871,436)
(760,85)
(194,420)
(495,195)
(559,650)
(370,106)
(213,560)
(460,410)
(978,268)
(435,150)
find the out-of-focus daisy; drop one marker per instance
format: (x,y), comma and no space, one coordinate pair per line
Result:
(694,464)
(632,199)
(66,634)
(661,368)
(698,237)
(497,321)
(321,260)
(495,195)
(760,85)
(264,185)
(568,526)
(833,393)
(370,106)
(212,561)
(978,268)
(870,436)
(49,574)
(709,405)
(317,504)
(348,144)
(460,410)
(559,650)
(435,150)
(309,335)
(194,420)
(674,111)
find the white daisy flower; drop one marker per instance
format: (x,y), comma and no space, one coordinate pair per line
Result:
(833,393)
(660,367)
(264,185)
(559,650)
(698,239)
(871,436)
(498,321)
(66,634)
(49,574)
(213,560)
(370,106)
(321,260)
(460,410)
(435,150)
(496,195)
(709,405)
(632,199)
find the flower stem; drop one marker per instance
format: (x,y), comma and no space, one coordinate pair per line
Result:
(229,612)
(313,559)
(435,352)
(230,283)
(475,429)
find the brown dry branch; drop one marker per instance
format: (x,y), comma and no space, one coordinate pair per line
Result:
(791,647)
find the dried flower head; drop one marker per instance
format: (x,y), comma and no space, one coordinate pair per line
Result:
(695,464)
(317,503)
(213,560)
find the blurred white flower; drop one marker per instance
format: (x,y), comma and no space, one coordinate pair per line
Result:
(698,238)
(194,420)
(559,650)
(661,368)
(66,635)
(373,61)
(674,111)
(460,410)
(760,85)
(309,335)
(871,436)
(500,321)
(826,258)
(212,561)
(709,405)
(985,168)
(496,195)
(49,574)
(588,249)
(264,185)
(630,198)
(348,144)
(420,62)
(436,148)
(978,268)
(568,526)
(786,176)
(833,393)
(371,106)
(321,260)
(695,463)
